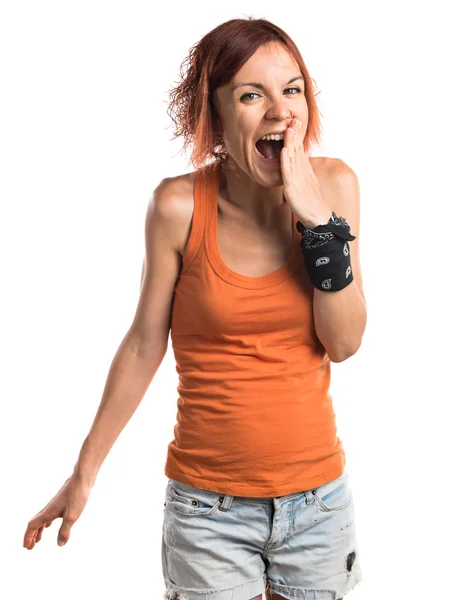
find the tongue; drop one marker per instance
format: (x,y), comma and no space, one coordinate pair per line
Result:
(269,148)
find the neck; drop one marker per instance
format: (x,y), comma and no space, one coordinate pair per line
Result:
(261,204)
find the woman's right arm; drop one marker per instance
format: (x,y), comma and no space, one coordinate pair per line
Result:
(133,366)
(144,346)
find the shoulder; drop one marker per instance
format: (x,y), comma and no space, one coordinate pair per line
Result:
(172,193)
(341,173)
(332,170)
(172,201)
(338,183)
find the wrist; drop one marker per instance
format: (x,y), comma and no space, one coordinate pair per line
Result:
(84,478)
(88,464)
(326,253)
(313,222)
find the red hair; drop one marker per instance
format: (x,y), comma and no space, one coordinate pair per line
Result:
(212,62)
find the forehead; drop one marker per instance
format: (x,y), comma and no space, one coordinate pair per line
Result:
(269,62)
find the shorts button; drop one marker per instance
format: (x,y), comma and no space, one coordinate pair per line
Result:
(194,502)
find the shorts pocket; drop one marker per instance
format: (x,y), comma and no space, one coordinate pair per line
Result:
(186,501)
(335,495)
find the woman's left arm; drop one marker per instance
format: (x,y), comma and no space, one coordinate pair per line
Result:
(340,317)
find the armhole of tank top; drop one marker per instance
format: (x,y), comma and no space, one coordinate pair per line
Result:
(196,226)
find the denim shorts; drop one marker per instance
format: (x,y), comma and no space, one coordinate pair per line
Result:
(301,546)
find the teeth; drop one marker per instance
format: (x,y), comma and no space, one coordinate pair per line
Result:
(278,136)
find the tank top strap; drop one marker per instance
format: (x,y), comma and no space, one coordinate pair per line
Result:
(210,198)
(204,181)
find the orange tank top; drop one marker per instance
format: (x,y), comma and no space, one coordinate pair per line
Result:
(255,417)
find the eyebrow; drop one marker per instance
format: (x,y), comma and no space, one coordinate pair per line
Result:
(261,86)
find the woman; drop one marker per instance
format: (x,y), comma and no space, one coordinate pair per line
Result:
(248,264)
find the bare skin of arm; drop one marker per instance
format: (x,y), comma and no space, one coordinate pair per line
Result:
(132,369)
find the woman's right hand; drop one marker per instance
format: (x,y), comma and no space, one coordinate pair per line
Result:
(68,504)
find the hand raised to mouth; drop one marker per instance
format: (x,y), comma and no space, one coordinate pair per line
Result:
(300,184)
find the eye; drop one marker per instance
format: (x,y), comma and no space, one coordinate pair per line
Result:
(298,90)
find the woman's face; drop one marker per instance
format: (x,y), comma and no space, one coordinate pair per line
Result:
(248,112)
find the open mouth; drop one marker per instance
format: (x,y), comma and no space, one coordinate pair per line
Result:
(270,149)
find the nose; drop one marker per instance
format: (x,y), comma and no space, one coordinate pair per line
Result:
(279,111)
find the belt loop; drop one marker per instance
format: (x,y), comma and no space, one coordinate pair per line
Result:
(226,502)
(309,494)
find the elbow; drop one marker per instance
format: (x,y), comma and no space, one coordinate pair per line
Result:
(337,358)
(342,354)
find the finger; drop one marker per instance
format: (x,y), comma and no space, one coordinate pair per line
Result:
(39,533)
(295,141)
(64,531)
(291,134)
(284,154)
(299,135)
(46,515)
(292,150)
(41,519)
(284,162)
(27,542)
(29,538)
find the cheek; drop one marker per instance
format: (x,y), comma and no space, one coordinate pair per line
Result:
(233,145)
(237,145)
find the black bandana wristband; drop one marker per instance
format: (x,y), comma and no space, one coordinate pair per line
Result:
(326,254)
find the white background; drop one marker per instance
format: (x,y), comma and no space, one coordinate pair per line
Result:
(85,139)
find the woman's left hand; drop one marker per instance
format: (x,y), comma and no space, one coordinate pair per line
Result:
(300,185)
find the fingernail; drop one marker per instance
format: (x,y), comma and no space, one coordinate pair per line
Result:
(61,542)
